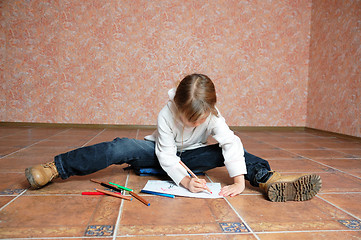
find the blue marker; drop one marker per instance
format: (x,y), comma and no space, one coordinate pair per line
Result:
(157,193)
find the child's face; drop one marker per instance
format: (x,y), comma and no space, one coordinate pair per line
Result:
(200,120)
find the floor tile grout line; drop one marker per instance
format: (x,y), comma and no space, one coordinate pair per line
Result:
(137,134)
(323,163)
(347,173)
(21,149)
(189,234)
(93,137)
(243,221)
(339,208)
(12,134)
(309,231)
(329,193)
(243,233)
(13,199)
(115,233)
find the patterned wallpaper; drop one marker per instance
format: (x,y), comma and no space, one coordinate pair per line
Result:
(112,62)
(334,91)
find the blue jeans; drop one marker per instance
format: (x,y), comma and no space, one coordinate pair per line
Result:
(141,154)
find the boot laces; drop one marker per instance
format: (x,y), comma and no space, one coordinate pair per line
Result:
(54,171)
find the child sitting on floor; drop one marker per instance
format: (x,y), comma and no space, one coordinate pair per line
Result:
(183,127)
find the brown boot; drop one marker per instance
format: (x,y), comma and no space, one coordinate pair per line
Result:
(302,187)
(40,175)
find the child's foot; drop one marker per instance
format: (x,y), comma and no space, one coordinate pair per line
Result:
(303,187)
(40,175)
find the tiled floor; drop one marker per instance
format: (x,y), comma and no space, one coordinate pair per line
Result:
(59,211)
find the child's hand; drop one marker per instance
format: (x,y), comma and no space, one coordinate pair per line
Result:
(197,185)
(193,184)
(236,188)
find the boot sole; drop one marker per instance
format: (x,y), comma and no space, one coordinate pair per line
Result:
(302,189)
(30,178)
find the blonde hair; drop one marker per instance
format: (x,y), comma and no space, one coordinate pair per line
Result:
(195,97)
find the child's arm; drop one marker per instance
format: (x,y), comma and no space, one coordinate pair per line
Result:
(236,188)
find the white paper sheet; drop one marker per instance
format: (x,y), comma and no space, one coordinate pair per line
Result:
(170,187)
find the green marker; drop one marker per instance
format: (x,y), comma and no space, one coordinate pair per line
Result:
(121,187)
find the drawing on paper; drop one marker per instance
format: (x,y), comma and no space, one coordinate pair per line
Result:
(170,187)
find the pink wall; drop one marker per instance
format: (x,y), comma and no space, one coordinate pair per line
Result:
(334,90)
(112,62)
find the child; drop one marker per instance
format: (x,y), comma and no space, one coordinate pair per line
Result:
(184,124)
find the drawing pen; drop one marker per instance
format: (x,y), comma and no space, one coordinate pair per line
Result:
(115,194)
(193,175)
(139,198)
(157,193)
(121,187)
(106,185)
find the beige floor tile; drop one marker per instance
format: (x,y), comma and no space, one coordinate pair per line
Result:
(347,165)
(47,216)
(262,215)
(80,132)
(62,143)
(332,235)
(320,153)
(12,183)
(254,146)
(110,135)
(8,150)
(175,216)
(294,145)
(6,131)
(339,145)
(270,154)
(11,164)
(5,200)
(16,143)
(293,134)
(356,153)
(272,138)
(339,182)
(317,139)
(349,202)
(297,166)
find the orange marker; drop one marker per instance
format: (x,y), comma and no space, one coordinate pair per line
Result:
(139,198)
(114,194)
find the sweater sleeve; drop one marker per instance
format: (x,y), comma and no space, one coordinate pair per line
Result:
(232,147)
(166,149)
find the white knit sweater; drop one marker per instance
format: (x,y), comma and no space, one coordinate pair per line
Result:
(168,139)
